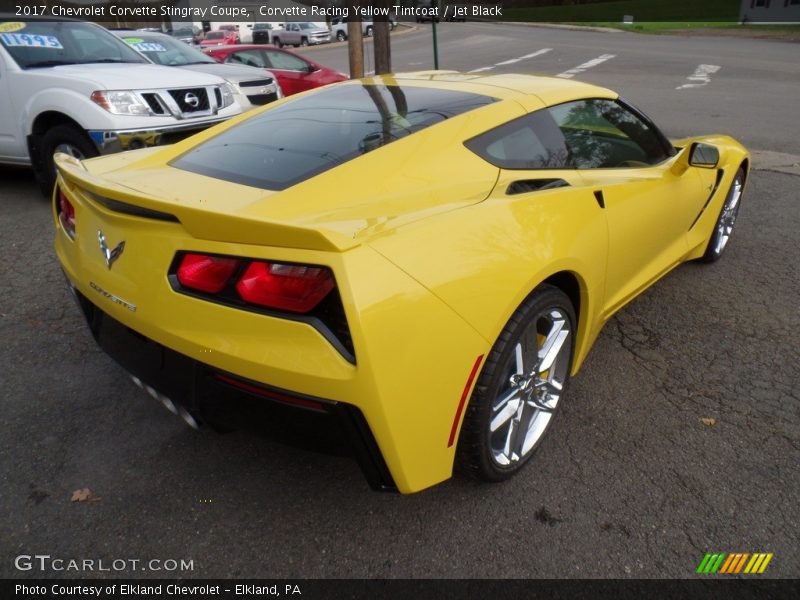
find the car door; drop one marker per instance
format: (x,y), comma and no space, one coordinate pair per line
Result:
(648,204)
(294,74)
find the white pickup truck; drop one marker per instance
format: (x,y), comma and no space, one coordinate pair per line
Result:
(72,86)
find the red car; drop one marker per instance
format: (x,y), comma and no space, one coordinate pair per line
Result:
(220,37)
(295,73)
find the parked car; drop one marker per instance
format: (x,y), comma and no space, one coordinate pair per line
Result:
(295,73)
(339,28)
(188,35)
(253,87)
(455,12)
(74,87)
(301,34)
(419,261)
(219,38)
(263,32)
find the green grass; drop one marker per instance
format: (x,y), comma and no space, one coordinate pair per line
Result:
(643,11)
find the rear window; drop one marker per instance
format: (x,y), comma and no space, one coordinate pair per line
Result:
(307,136)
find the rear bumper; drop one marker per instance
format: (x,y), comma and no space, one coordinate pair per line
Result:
(224,400)
(111,141)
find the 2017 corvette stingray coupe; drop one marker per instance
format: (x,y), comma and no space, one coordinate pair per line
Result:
(413,265)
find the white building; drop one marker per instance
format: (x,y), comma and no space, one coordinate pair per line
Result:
(770,11)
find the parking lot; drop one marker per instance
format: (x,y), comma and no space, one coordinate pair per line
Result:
(680,436)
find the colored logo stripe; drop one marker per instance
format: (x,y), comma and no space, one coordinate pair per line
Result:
(734,563)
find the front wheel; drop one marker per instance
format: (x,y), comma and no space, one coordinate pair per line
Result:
(723,229)
(368,32)
(341,36)
(277,42)
(520,388)
(61,138)
(304,42)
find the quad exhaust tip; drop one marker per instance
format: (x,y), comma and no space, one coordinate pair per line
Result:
(175,409)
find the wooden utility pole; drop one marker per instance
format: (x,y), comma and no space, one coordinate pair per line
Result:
(381,47)
(355,48)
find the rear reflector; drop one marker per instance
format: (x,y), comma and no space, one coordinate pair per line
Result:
(271,394)
(294,288)
(206,273)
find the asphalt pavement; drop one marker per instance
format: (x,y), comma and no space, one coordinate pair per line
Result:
(680,436)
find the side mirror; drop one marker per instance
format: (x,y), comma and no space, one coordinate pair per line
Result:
(704,156)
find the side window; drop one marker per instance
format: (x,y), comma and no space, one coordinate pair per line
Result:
(529,142)
(251,58)
(279,60)
(602,134)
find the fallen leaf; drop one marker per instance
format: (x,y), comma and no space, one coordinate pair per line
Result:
(708,421)
(84,495)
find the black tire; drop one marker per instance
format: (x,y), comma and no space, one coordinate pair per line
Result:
(277,42)
(723,227)
(368,32)
(341,36)
(304,41)
(68,137)
(544,318)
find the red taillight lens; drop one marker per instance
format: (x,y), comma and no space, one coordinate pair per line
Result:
(66,214)
(206,273)
(294,288)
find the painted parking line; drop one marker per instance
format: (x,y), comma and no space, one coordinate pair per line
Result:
(511,61)
(701,76)
(586,66)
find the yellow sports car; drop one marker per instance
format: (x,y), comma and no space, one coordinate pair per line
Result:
(415,263)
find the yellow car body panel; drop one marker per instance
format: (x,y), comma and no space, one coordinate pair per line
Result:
(431,258)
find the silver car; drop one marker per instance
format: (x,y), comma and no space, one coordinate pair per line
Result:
(303,33)
(253,87)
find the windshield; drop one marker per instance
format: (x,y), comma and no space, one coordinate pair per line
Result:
(308,26)
(164,50)
(309,135)
(215,35)
(34,44)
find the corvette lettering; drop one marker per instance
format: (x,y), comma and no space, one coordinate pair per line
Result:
(112,297)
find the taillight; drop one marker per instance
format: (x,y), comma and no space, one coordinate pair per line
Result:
(206,273)
(304,293)
(66,214)
(277,286)
(294,288)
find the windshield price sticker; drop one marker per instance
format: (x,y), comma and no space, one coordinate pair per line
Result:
(33,41)
(147,46)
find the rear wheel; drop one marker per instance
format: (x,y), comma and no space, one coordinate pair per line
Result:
(340,35)
(61,138)
(368,32)
(520,388)
(723,229)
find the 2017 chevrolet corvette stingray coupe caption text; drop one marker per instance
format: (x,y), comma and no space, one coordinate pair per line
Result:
(411,265)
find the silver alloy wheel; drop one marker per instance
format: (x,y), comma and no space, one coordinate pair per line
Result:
(537,371)
(728,216)
(67,148)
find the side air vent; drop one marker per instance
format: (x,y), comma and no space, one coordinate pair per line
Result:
(534,185)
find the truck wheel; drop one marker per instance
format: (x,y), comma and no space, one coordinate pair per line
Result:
(277,42)
(61,138)
(340,35)
(304,42)
(369,32)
